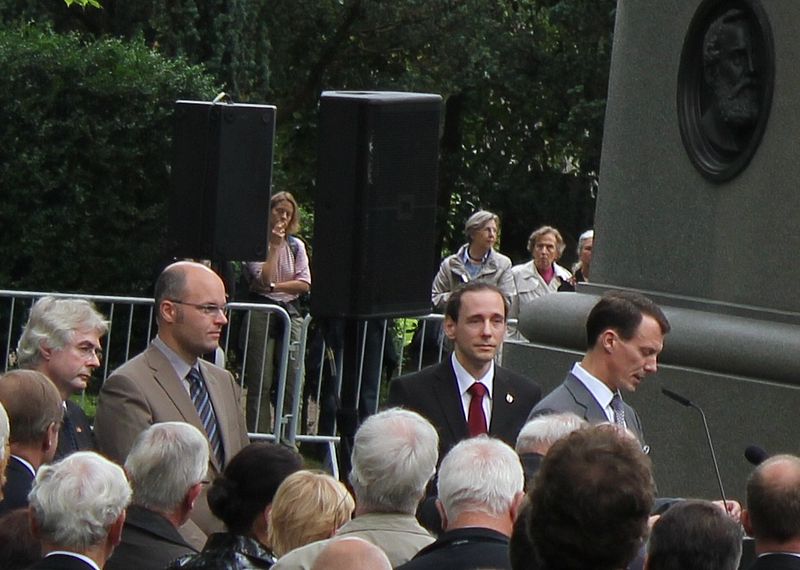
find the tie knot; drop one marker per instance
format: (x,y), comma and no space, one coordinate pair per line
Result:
(194,376)
(477,390)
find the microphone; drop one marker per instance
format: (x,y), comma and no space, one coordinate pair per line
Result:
(677,397)
(755,454)
(689,404)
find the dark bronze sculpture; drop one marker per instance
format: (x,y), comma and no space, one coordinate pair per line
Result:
(725,86)
(730,74)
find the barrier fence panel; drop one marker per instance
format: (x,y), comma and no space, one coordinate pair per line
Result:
(312,387)
(131,327)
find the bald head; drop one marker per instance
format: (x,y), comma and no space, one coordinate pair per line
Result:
(172,282)
(351,553)
(773,500)
(190,301)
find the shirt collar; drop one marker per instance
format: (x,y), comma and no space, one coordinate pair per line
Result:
(25,463)
(598,389)
(180,366)
(465,379)
(467,259)
(86,559)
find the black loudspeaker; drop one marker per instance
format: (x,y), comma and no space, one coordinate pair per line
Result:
(221,180)
(375,209)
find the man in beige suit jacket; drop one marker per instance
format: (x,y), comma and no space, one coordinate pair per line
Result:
(155,386)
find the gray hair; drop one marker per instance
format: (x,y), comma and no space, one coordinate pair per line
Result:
(164,462)
(547,429)
(5,431)
(53,322)
(394,457)
(584,237)
(478,220)
(75,501)
(480,474)
(544,230)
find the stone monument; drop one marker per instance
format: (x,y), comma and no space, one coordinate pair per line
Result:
(696,204)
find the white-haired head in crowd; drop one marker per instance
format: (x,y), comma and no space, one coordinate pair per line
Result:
(538,434)
(53,322)
(166,460)
(75,502)
(481,474)
(394,456)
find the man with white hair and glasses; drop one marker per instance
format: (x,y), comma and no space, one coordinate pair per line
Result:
(480,493)
(166,468)
(77,511)
(62,341)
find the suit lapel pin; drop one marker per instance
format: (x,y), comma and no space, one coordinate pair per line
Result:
(509,398)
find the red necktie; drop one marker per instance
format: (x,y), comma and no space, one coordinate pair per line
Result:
(476,421)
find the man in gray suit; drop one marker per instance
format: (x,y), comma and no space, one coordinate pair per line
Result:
(169,382)
(625,334)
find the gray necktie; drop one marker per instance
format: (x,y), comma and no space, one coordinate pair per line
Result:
(202,402)
(619,410)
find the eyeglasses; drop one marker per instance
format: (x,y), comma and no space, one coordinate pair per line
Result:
(208,309)
(88,351)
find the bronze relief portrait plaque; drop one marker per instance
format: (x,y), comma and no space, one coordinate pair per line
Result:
(725,84)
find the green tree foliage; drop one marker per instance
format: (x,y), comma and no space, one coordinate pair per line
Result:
(227,36)
(83,3)
(86,133)
(524,83)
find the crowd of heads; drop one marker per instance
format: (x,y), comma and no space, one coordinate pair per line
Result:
(587,506)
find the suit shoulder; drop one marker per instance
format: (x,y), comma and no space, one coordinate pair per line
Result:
(554,402)
(216,371)
(519,381)
(131,368)
(401,387)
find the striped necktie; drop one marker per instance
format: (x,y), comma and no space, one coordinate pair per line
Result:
(202,402)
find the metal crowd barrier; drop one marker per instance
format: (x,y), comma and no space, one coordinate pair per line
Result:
(132,326)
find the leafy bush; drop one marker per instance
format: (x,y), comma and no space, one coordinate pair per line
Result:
(86,134)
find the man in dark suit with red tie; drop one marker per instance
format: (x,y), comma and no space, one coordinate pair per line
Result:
(468,394)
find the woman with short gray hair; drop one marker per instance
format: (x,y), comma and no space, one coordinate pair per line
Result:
(476,260)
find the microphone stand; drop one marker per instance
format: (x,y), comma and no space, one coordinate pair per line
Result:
(688,403)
